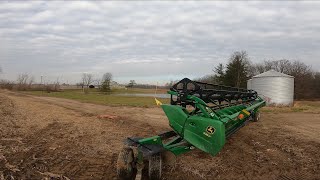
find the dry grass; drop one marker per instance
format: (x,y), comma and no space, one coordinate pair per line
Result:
(298,106)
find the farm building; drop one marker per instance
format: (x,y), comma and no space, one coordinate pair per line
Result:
(275,87)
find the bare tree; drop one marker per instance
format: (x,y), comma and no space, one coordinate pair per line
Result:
(22,81)
(255,69)
(6,84)
(282,66)
(80,84)
(171,83)
(303,78)
(87,79)
(131,83)
(97,82)
(279,65)
(106,82)
(56,85)
(30,82)
(316,85)
(260,69)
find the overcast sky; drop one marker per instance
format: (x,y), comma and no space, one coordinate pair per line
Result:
(151,41)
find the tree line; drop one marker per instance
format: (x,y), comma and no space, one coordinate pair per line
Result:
(103,84)
(236,72)
(26,82)
(239,70)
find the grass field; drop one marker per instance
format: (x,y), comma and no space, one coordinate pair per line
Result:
(114,99)
(298,106)
(111,98)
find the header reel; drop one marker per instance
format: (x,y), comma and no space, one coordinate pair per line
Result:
(201,115)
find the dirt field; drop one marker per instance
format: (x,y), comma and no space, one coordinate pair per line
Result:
(42,137)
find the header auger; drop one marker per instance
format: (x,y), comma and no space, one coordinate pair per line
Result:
(202,116)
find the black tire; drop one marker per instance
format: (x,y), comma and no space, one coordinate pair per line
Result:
(125,168)
(155,167)
(256,116)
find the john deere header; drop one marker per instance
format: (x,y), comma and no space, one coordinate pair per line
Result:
(201,115)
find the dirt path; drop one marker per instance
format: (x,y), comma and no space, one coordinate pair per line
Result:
(52,137)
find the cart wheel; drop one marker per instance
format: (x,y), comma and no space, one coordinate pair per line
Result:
(155,167)
(168,158)
(125,169)
(256,116)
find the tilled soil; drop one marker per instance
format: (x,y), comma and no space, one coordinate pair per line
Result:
(43,138)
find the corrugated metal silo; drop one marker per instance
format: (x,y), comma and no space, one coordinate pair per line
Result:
(276,88)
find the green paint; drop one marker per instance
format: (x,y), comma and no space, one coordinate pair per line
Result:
(206,130)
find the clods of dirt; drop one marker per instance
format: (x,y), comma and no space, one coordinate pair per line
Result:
(51,138)
(108,116)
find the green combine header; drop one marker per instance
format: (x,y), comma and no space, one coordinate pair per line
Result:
(201,115)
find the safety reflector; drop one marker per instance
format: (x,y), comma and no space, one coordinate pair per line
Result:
(240,116)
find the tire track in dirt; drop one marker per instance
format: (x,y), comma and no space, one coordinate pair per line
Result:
(62,146)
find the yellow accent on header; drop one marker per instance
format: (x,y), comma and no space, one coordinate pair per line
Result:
(245,111)
(158,102)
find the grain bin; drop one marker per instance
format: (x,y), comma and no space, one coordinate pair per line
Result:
(276,88)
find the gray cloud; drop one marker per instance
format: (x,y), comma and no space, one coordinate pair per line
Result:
(151,41)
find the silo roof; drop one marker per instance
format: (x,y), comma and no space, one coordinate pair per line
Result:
(272,73)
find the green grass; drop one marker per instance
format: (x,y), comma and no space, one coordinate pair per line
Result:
(138,90)
(111,98)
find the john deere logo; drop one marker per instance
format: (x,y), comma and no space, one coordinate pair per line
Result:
(210,130)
